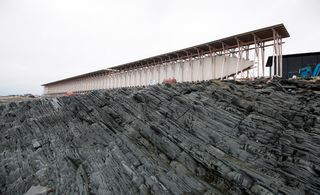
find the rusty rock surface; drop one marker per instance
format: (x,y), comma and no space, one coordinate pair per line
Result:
(252,137)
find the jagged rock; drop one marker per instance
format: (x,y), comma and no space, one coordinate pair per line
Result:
(250,137)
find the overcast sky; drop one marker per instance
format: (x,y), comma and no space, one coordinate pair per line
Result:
(46,40)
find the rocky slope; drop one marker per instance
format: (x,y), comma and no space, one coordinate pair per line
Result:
(205,138)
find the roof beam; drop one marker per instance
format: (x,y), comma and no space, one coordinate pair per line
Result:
(265,35)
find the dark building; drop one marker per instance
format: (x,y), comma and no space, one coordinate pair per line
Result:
(293,62)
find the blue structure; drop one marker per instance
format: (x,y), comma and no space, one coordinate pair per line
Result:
(316,71)
(305,72)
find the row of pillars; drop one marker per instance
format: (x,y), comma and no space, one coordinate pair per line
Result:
(183,70)
(259,61)
(205,67)
(137,77)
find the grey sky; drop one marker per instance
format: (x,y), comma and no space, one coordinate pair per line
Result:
(43,41)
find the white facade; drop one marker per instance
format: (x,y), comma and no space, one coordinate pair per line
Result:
(206,68)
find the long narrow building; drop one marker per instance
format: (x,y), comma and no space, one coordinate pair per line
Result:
(234,57)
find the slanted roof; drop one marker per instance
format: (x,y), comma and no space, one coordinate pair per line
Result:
(263,34)
(98,72)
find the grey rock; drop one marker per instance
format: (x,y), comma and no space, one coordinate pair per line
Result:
(249,137)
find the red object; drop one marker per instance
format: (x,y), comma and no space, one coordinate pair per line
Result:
(169,81)
(69,93)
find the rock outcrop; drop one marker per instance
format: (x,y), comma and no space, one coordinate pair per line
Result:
(253,137)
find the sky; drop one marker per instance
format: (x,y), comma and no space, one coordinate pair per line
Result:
(47,40)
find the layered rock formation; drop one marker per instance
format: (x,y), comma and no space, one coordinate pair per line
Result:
(205,138)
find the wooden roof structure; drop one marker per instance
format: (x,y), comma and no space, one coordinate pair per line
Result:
(264,35)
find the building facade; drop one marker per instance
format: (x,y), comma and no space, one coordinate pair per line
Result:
(292,63)
(234,57)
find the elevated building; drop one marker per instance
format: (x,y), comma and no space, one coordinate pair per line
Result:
(237,56)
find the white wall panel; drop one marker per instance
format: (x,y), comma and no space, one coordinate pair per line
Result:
(210,67)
